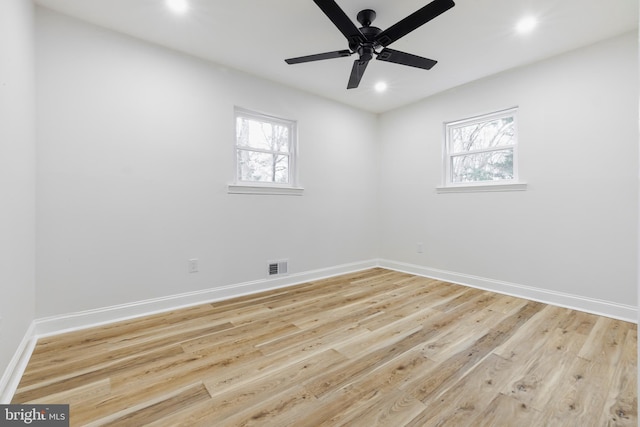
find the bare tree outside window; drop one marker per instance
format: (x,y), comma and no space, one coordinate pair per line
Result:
(481,149)
(264,148)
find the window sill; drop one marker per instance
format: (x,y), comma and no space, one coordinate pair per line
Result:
(482,188)
(265,190)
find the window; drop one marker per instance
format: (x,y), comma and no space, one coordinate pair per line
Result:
(265,152)
(482,150)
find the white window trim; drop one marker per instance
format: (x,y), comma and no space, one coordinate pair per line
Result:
(268,188)
(264,189)
(481,186)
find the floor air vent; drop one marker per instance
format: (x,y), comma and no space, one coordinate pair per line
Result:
(278,268)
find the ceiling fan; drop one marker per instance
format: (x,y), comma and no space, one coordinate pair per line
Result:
(367,40)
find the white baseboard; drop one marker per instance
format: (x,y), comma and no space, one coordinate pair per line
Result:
(90,318)
(614,310)
(11,377)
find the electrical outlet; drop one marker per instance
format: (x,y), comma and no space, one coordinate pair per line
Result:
(193,265)
(420,248)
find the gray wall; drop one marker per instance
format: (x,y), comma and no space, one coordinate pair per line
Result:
(17,175)
(135,152)
(574,230)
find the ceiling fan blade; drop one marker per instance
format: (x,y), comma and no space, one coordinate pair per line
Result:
(318,57)
(403,58)
(413,21)
(341,20)
(356,73)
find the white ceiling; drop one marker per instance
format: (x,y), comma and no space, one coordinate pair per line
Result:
(473,40)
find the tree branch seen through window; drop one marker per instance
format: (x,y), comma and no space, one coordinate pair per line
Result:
(264,148)
(481,149)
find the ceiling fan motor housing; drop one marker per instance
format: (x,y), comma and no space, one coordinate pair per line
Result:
(366,49)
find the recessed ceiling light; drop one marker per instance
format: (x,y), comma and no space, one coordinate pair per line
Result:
(177,6)
(380,87)
(526,24)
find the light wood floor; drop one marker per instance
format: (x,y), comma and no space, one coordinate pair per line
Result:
(375,348)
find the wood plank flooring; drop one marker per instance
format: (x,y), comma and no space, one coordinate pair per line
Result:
(373,348)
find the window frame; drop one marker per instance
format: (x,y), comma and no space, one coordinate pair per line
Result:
(448,186)
(241,186)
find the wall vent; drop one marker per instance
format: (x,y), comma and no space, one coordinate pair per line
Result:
(278,268)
